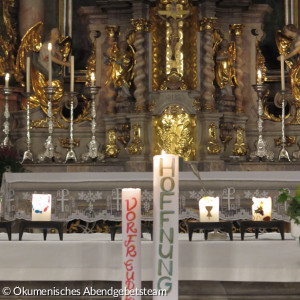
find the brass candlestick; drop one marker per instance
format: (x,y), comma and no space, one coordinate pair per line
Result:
(93,145)
(283,153)
(49,153)
(71,155)
(261,144)
(6,128)
(28,154)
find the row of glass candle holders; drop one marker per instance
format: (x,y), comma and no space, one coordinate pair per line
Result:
(208,208)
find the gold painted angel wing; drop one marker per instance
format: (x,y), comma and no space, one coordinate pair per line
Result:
(31,41)
(283,43)
(65,47)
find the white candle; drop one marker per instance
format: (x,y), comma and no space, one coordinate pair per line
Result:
(209,209)
(93,79)
(72,75)
(131,241)
(165,224)
(50,63)
(259,77)
(27,74)
(282,72)
(261,209)
(6,80)
(41,207)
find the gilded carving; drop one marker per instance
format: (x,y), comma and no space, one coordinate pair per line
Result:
(225,135)
(290,140)
(8,39)
(174,131)
(236,31)
(136,146)
(65,143)
(174,42)
(213,146)
(174,82)
(111,149)
(240,147)
(288,45)
(260,63)
(124,137)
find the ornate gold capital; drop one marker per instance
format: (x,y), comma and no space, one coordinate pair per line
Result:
(141,108)
(208,24)
(237,29)
(140,24)
(112,31)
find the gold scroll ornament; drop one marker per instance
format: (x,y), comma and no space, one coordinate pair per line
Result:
(213,146)
(175,132)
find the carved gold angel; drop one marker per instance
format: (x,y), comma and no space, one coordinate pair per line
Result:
(288,43)
(31,44)
(120,61)
(225,71)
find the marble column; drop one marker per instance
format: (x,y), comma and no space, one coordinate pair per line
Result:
(237,30)
(208,73)
(30,12)
(140,26)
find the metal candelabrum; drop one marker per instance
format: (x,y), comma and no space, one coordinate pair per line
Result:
(6,129)
(261,145)
(27,154)
(283,153)
(93,153)
(71,155)
(49,153)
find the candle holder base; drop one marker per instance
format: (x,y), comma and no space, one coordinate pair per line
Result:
(93,153)
(6,142)
(27,156)
(71,156)
(49,154)
(262,152)
(283,154)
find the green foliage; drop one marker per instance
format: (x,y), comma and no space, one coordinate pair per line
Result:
(293,210)
(9,161)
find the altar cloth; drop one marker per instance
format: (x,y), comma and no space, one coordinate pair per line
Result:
(94,196)
(95,257)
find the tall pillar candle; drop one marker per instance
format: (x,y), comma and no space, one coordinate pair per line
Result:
(72,75)
(27,74)
(165,224)
(50,63)
(282,72)
(131,242)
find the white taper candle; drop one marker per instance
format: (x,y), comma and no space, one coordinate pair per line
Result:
(27,74)
(50,63)
(72,75)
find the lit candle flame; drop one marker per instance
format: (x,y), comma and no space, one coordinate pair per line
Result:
(49,46)
(92,76)
(7,76)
